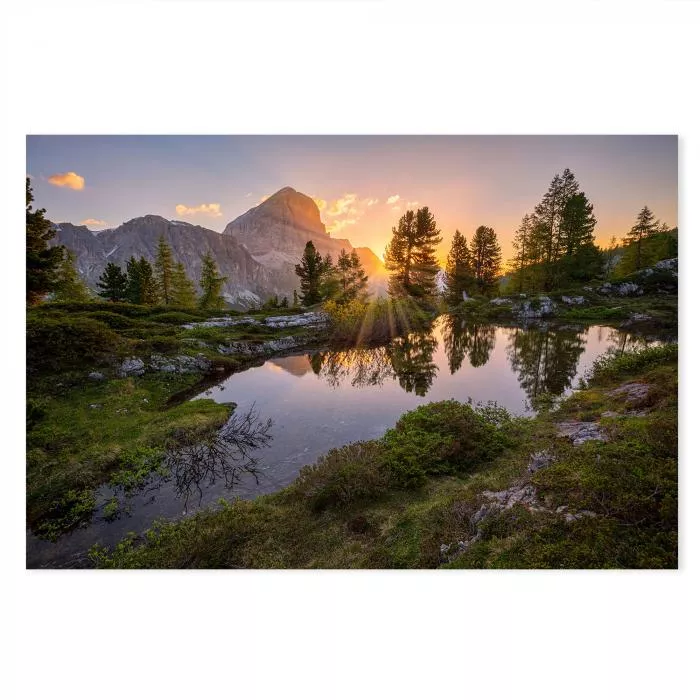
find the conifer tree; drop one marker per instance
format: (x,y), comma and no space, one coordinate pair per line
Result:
(459,277)
(310,272)
(164,272)
(410,256)
(42,261)
(352,280)
(211,283)
(112,284)
(644,227)
(69,286)
(295,299)
(184,294)
(486,258)
(141,284)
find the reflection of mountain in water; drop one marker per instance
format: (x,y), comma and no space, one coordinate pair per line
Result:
(545,360)
(298,365)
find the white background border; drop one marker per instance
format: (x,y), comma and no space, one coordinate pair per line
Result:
(346,67)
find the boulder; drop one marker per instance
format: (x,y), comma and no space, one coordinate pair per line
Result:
(132,367)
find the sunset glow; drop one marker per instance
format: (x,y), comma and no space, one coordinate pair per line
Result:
(361,184)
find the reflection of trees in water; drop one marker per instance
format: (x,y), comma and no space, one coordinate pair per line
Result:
(412,361)
(226,456)
(409,359)
(462,338)
(363,366)
(545,360)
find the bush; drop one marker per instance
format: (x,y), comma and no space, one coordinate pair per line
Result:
(446,437)
(176,317)
(612,366)
(379,320)
(55,344)
(343,476)
(113,320)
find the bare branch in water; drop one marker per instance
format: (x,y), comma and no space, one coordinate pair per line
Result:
(225,456)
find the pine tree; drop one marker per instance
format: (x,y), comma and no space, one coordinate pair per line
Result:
(352,280)
(310,271)
(285,303)
(410,256)
(184,294)
(295,299)
(330,280)
(112,283)
(644,227)
(69,286)
(522,243)
(459,277)
(164,272)
(211,284)
(141,284)
(42,261)
(486,258)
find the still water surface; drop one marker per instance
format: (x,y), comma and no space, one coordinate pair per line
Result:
(326,399)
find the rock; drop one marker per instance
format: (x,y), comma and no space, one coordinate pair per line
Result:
(310,318)
(580,431)
(223,322)
(637,317)
(609,414)
(537,308)
(626,289)
(668,264)
(132,367)
(181,364)
(500,301)
(574,300)
(267,348)
(539,460)
(96,376)
(95,405)
(508,498)
(634,391)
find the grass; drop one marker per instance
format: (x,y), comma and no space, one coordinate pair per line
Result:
(348,510)
(82,433)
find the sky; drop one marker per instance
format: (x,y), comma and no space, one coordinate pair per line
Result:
(362,184)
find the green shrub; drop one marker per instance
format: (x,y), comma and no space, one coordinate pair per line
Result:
(344,475)
(176,317)
(117,321)
(612,366)
(55,344)
(446,437)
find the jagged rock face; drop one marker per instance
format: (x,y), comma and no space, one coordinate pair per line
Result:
(276,231)
(257,252)
(248,281)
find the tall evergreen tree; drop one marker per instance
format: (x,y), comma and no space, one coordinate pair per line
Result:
(644,227)
(351,277)
(459,277)
(112,284)
(141,284)
(164,272)
(310,271)
(184,294)
(410,256)
(211,283)
(69,286)
(485,254)
(522,243)
(42,261)
(295,299)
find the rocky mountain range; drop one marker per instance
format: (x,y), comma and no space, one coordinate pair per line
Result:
(256,252)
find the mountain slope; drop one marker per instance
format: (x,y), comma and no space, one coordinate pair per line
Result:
(248,281)
(276,231)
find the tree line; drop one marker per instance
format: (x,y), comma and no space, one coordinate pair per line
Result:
(320,279)
(164,283)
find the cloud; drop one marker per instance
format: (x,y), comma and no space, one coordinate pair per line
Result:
(250,194)
(213,209)
(94,223)
(393,199)
(263,198)
(344,205)
(370,202)
(396,208)
(340,224)
(320,203)
(70,179)
(410,205)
